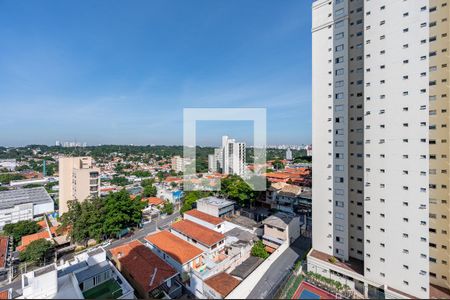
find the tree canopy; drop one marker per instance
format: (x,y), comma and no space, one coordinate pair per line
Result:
(120,181)
(278,164)
(259,250)
(190,197)
(149,191)
(168,208)
(146,182)
(235,188)
(36,251)
(21,228)
(99,218)
(7,177)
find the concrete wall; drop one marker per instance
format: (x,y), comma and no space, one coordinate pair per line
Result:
(246,286)
(203,223)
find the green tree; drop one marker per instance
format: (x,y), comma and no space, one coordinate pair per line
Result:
(23,168)
(119,168)
(21,228)
(168,208)
(120,181)
(160,176)
(141,173)
(278,165)
(121,212)
(147,182)
(76,219)
(31,185)
(98,218)
(259,250)
(4,188)
(149,191)
(50,185)
(235,188)
(6,178)
(190,197)
(36,251)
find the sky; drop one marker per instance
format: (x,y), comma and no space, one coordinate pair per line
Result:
(121,72)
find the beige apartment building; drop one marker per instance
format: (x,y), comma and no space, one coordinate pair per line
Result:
(78,180)
(381,129)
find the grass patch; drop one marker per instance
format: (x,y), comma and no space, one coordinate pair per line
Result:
(107,290)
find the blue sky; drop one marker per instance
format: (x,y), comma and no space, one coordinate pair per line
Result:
(121,72)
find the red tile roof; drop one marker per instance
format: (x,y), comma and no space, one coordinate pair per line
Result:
(278,175)
(153,201)
(42,224)
(222,283)
(204,217)
(3,250)
(4,294)
(146,268)
(173,179)
(174,246)
(27,239)
(198,232)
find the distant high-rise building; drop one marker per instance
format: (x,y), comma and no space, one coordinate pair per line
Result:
(179,163)
(288,154)
(78,180)
(229,159)
(57,143)
(308,149)
(380,135)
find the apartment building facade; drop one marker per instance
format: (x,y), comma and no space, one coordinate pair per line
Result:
(179,163)
(380,85)
(228,159)
(78,180)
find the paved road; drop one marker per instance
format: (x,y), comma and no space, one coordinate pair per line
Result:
(16,285)
(146,230)
(279,269)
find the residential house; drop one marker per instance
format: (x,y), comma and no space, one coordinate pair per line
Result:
(280,228)
(150,276)
(208,240)
(204,219)
(217,207)
(90,275)
(153,202)
(288,198)
(219,285)
(177,252)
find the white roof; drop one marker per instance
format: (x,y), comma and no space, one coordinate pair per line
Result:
(214,201)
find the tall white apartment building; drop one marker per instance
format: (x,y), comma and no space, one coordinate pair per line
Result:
(179,163)
(78,180)
(380,199)
(228,159)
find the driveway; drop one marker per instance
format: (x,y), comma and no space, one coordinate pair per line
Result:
(280,268)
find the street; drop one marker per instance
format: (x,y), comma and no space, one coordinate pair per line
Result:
(279,269)
(146,230)
(140,234)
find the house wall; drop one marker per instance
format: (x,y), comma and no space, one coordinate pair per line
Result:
(218,228)
(246,286)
